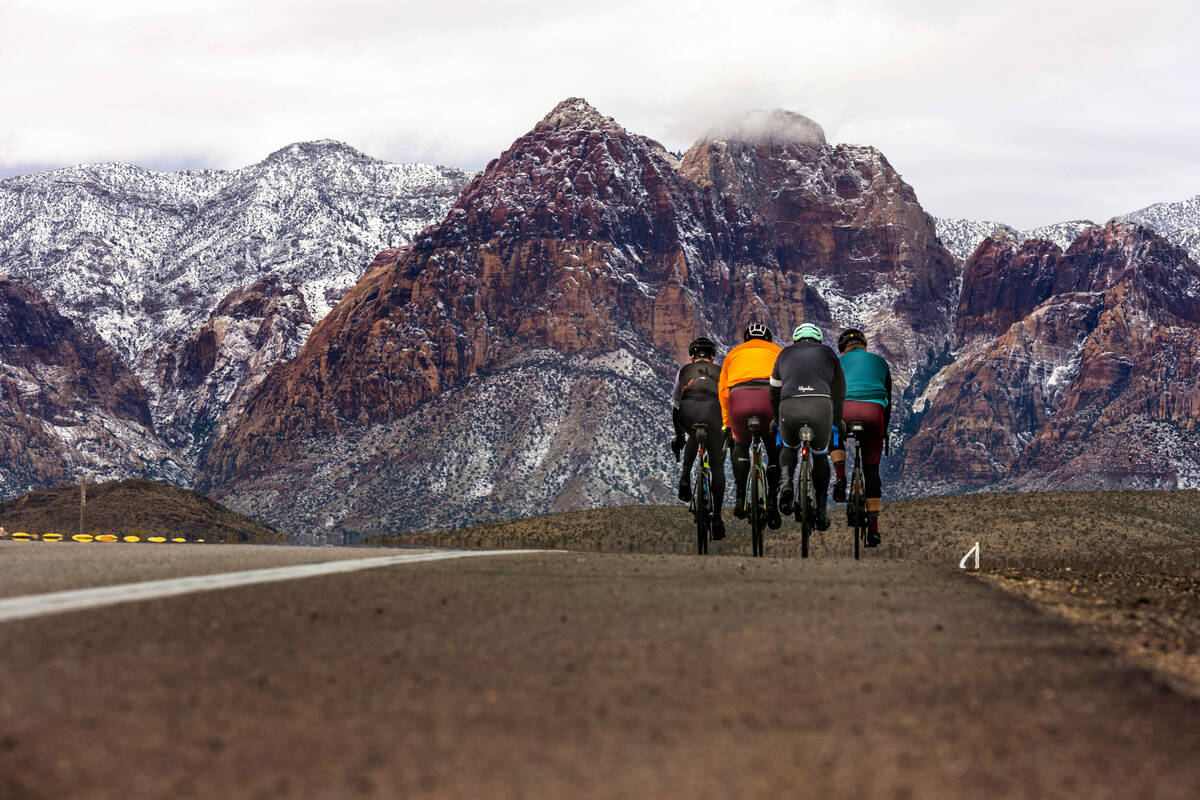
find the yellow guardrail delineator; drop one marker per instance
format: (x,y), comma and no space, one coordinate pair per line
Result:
(83,537)
(179,539)
(156,539)
(22,537)
(106,537)
(133,538)
(52,537)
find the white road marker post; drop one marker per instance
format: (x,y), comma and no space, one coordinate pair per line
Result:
(973,551)
(82,500)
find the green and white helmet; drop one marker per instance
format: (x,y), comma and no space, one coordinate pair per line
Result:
(807,331)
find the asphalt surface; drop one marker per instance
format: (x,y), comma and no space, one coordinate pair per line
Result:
(570,675)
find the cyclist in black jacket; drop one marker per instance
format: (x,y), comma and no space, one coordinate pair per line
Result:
(695,400)
(807,388)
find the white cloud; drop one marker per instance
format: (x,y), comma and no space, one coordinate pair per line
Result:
(1030,113)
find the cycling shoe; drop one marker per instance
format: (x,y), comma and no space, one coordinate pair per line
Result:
(718,529)
(739,508)
(774,521)
(785,501)
(839,491)
(822,521)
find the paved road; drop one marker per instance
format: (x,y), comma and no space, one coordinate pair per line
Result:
(573,675)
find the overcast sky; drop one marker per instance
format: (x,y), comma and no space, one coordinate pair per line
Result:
(1029,114)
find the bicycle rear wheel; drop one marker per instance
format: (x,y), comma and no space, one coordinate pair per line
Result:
(807,507)
(757,511)
(702,503)
(856,510)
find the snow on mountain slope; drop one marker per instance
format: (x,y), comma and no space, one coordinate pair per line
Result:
(68,404)
(545,433)
(962,236)
(1178,222)
(146,257)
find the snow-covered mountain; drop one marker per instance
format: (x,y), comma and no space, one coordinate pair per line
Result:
(962,236)
(146,258)
(1178,222)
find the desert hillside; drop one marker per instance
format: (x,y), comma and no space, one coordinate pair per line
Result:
(139,507)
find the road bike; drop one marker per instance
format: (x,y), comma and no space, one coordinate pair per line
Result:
(806,507)
(702,500)
(756,486)
(856,501)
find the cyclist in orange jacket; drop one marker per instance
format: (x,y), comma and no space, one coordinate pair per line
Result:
(745,391)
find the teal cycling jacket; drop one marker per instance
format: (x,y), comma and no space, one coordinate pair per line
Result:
(868,378)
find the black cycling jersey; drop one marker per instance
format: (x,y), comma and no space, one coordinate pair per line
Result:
(808,369)
(698,380)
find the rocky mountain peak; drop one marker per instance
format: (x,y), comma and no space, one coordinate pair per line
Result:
(1003,238)
(575,112)
(318,151)
(576,174)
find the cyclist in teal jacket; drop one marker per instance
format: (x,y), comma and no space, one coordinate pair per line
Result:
(869,401)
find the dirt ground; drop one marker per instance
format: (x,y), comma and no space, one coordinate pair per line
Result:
(1152,617)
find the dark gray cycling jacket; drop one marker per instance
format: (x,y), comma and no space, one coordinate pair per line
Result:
(699,380)
(808,369)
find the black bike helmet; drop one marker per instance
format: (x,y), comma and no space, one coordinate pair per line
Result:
(850,336)
(756,330)
(702,348)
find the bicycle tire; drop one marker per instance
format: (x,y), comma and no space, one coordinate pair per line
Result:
(856,509)
(857,537)
(703,503)
(758,515)
(806,507)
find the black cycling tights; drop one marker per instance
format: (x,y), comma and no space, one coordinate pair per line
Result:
(874,485)
(789,458)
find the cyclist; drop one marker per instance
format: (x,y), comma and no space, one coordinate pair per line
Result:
(869,401)
(695,399)
(745,390)
(807,388)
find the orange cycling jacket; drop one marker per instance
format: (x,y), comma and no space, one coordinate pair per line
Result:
(752,360)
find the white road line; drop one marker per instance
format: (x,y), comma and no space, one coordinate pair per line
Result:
(37,605)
